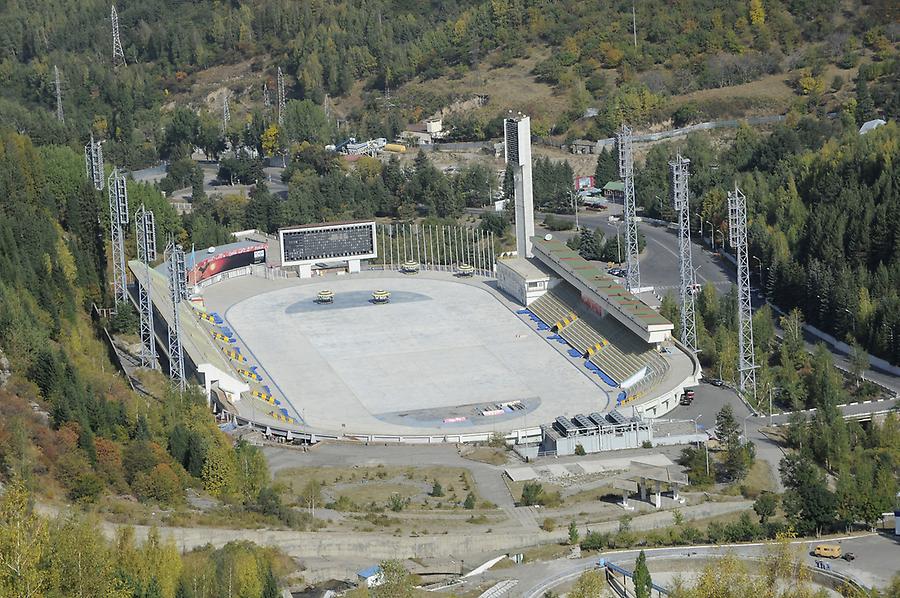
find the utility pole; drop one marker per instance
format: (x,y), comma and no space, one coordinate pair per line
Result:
(177,291)
(145,237)
(681,202)
(626,172)
(737,228)
(59,108)
(266,102)
(117,191)
(634,23)
(118,54)
(280,94)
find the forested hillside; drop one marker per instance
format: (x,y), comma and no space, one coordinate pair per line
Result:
(823,216)
(326,47)
(70,428)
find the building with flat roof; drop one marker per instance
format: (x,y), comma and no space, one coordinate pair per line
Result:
(523,279)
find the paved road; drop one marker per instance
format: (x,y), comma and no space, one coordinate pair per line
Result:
(877,561)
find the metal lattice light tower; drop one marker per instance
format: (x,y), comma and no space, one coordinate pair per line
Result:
(280,93)
(626,172)
(177,292)
(93,163)
(59,108)
(118,218)
(118,54)
(737,233)
(226,114)
(680,199)
(145,237)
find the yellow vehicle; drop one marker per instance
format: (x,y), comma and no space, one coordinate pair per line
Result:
(830,551)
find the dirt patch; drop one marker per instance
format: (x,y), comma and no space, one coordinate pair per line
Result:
(367,488)
(485,454)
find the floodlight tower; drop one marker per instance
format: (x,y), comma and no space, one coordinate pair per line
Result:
(517,133)
(59,108)
(93,163)
(626,172)
(118,54)
(226,114)
(177,291)
(118,219)
(280,94)
(680,199)
(737,235)
(145,237)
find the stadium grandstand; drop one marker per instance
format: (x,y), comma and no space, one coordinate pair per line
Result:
(623,340)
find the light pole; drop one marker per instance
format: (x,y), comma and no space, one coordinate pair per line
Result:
(574,199)
(618,243)
(722,244)
(749,415)
(712,234)
(759,261)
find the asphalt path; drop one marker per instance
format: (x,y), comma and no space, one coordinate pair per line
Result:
(878,558)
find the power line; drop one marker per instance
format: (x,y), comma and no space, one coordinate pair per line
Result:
(118,54)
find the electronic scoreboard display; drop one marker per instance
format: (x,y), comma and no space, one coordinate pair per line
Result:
(307,244)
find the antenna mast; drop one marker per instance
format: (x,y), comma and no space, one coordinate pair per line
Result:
(626,172)
(145,237)
(680,198)
(737,233)
(59,108)
(118,54)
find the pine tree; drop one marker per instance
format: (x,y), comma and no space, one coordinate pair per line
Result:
(589,248)
(643,584)
(607,168)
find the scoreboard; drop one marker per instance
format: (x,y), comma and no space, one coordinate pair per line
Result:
(327,243)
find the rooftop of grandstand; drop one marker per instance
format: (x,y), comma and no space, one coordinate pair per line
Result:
(624,306)
(527,269)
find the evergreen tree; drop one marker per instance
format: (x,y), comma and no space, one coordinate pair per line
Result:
(642,581)
(589,247)
(607,168)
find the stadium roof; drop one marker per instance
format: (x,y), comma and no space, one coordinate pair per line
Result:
(622,304)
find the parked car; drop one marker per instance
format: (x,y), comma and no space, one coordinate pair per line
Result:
(831,551)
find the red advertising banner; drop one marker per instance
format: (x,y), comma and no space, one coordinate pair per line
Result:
(228,260)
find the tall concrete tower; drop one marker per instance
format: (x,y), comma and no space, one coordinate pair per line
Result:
(517,132)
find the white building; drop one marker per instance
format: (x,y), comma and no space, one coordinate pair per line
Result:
(522,279)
